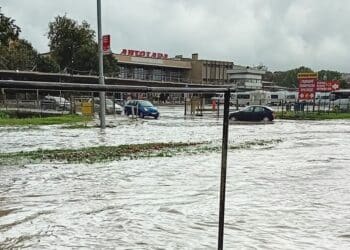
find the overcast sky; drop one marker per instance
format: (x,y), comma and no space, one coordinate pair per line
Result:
(281,34)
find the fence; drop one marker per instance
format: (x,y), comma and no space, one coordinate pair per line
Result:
(333,106)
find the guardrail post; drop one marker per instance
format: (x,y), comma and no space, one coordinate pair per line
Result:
(223,169)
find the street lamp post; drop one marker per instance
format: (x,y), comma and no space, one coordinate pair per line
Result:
(100,63)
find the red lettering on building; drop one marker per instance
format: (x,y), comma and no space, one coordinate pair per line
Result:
(131,52)
(124,52)
(142,53)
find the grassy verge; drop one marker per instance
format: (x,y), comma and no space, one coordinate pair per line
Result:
(312,115)
(98,154)
(34,121)
(132,151)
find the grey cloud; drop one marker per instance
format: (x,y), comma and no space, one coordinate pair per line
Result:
(280,34)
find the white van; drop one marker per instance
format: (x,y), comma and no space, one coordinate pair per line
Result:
(280,97)
(256,97)
(340,99)
(322,98)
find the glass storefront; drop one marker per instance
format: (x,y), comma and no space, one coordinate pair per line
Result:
(153,74)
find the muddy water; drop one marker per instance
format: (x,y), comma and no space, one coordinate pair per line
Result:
(294,194)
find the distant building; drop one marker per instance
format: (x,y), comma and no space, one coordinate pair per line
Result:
(246,77)
(207,71)
(158,66)
(154,66)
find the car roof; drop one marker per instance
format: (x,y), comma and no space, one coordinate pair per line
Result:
(263,106)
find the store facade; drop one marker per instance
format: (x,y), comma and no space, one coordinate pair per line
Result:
(153,66)
(147,65)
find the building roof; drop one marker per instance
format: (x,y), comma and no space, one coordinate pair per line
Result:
(238,69)
(164,63)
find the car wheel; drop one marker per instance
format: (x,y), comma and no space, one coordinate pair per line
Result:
(141,115)
(232,118)
(156,117)
(266,119)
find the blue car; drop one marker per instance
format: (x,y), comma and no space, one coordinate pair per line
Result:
(141,108)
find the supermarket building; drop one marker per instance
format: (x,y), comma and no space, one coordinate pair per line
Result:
(155,66)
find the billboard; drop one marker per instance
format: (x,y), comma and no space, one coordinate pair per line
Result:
(307,88)
(327,86)
(307,85)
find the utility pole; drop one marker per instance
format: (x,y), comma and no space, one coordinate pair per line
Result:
(100,63)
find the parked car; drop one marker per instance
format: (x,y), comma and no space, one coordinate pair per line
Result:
(55,102)
(253,113)
(141,108)
(109,106)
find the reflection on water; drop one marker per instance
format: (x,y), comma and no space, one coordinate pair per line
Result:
(294,195)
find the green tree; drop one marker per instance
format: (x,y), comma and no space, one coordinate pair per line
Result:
(329,75)
(73,46)
(46,64)
(289,78)
(19,56)
(71,43)
(9,31)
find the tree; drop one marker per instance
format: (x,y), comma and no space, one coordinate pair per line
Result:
(73,46)
(20,55)
(46,64)
(71,43)
(289,78)
(329,75)
(9,31)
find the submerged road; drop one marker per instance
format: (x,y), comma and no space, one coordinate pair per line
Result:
(288,191)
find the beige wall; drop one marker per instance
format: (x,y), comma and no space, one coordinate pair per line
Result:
(215,72)
(198,71)
(167,63)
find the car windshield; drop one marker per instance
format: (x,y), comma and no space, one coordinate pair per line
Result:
(146,104)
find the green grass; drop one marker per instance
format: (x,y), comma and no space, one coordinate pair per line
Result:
(35,121)
(312,115)
(97,154)
(132,151)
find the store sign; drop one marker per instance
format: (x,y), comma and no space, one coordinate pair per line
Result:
(307,88)
(307,85)
(327,86)
(308,75)
(142,53)
(106,44)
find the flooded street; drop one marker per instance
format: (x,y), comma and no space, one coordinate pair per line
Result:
(291,193)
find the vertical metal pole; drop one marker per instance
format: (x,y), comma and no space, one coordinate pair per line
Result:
(100,63)
(37,98)
(223,170)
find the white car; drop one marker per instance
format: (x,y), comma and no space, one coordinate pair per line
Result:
(109,106)
(56,102)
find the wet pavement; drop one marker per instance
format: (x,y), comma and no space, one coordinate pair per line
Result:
(293,194)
